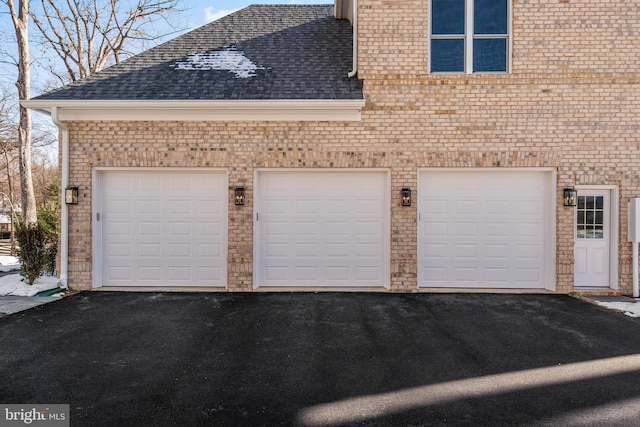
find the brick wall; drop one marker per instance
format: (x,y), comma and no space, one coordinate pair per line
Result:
(571,102)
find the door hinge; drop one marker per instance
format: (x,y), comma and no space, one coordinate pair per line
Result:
(98,216)
(257,216)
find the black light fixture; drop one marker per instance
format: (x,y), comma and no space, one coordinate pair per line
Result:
(71,195)
(406,196)
(570,196)
(239,196)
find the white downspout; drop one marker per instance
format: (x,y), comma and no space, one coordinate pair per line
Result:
(64,208)
(353,72)
(636,289)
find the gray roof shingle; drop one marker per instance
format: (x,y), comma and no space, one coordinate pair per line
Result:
(289,52)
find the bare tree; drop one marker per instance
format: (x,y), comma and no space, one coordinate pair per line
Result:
(20,19)
(8,148)
(88,35)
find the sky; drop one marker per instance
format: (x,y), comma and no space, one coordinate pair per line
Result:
(204,11)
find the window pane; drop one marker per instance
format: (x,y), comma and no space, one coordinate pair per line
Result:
(581,234)
(447,17)
(590,218)
(590,202)
(489,55)
(599,220)
(447,56)
(598,233)
(599,202)
(490,17)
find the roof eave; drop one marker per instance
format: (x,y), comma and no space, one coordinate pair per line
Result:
(201,110)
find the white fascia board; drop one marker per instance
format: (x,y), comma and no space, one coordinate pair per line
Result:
(235,110)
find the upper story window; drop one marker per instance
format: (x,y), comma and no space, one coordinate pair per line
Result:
(469,36)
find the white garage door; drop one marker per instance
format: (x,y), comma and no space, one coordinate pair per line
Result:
(485,229)
(162,228)
(322,229)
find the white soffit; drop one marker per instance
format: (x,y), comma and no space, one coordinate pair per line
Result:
(236,110)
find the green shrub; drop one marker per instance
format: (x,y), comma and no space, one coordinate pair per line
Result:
(48,221)
(32,250)
(38,244)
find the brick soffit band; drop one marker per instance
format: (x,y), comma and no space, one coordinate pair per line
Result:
(232,110)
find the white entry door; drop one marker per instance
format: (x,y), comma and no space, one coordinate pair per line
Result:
(592,238)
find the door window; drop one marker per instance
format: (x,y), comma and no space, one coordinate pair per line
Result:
(590,217)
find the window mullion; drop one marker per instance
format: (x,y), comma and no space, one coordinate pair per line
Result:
(468,49)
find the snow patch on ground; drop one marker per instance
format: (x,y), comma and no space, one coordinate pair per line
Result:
(631,309)
(226,59)
(15,285)
(9,263)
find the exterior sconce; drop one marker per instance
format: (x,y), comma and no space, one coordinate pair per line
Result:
(570,196)
(71,195)
(239,196)
(406,196)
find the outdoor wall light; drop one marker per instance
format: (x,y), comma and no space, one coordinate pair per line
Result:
(570,196)
(71,195)
(239,196)
(406,196)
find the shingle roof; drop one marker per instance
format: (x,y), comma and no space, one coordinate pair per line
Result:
(260,52)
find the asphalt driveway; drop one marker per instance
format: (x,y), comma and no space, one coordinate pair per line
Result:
(324,359)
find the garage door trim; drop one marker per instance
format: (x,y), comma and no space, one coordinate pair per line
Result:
(386,244)
(97,174)
(550,219)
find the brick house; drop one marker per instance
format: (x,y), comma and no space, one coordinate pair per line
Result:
(401,146)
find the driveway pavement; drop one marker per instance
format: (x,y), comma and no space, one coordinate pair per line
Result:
(325,359)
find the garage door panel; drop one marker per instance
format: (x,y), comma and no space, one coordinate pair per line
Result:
(465,229)
(118,274)
(529,275)
(314,232)
(150,229)
(163,228)
(368,251)
(436,228)
(497,275)
(367,273)
(179,228)
(368,228)
(152,250)
(116,250)
(119,207)
(496,207)
(528,230)
(497,230)
(473,233)
(497,252)
(179,207)
(335,228)
(467,207)
(466,251)
(118,228)
(209,207)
